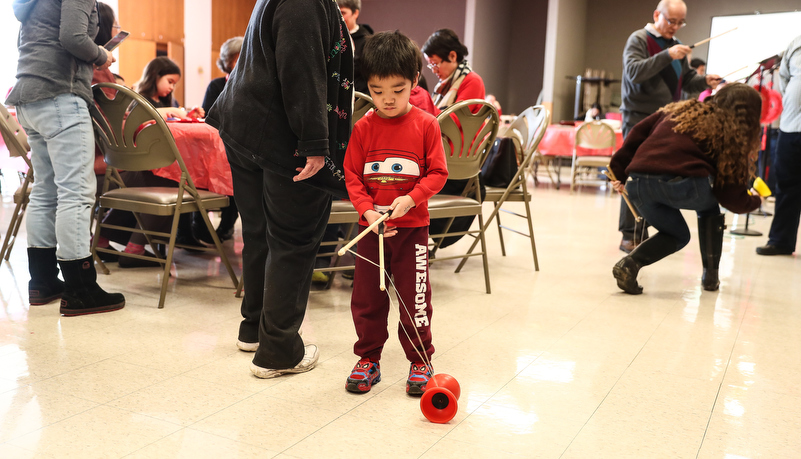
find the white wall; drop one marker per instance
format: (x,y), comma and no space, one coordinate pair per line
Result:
(197,50)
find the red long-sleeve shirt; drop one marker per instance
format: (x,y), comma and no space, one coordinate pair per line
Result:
(391,157)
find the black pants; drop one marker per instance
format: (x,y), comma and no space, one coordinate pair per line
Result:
(282,226)
(627,225)
(787,168)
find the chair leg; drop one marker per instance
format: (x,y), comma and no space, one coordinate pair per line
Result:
(240,287)
(219,246)
(98,217)
(484,253)
(168,263)
(573,172)
(531,236)
(500,232)
(13,228)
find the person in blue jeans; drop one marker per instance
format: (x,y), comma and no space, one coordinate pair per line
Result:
(52,96)
(689,155)
(787,165)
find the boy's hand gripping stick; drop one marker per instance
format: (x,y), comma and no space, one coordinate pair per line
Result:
(350,244)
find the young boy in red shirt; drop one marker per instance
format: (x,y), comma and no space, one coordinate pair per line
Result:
(394,163)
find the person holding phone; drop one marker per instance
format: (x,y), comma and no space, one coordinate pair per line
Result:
(52,95)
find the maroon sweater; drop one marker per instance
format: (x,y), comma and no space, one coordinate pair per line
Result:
(652,147)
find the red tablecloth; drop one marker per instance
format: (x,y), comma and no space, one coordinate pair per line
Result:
(558,141)
(204,155)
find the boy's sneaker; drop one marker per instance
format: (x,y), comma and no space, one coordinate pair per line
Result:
(364,375)
(419,374)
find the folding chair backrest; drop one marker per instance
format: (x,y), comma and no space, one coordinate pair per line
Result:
(362,103)
(467,137)
(131,133)
(595,135)
(13,135)
(529,128)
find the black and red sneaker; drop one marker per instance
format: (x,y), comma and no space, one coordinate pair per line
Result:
(419,374)
(364,375)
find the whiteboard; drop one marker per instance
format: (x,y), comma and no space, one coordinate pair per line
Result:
(758,37)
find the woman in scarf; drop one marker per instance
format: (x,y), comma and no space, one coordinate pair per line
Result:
(445,55)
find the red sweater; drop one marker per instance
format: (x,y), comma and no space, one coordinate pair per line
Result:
(652,147)
(391,157)
(472,87)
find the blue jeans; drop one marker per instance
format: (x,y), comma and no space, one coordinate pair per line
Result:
(659,199)
(62,153)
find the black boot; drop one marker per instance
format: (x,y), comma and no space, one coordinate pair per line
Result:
(648,252)
(710,239)
(82,295)
(44,286)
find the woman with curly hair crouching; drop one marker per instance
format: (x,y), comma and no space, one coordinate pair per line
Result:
(689,155)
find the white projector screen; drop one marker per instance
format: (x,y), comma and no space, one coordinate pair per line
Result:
(758,37)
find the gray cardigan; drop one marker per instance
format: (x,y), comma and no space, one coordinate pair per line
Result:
(56,49)
(643,90)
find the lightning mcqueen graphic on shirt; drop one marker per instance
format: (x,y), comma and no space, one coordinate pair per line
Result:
(391,169)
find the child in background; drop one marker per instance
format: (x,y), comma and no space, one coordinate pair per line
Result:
(394,163)
(157,84)
(689,155)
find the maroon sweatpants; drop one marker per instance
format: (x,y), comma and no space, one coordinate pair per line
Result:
(406,259)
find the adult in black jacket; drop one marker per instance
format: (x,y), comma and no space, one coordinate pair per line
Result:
(284,117)
(358,32)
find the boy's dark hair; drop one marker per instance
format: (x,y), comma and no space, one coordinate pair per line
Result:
(387,54)
(442,42)
(353,5)
(695,63)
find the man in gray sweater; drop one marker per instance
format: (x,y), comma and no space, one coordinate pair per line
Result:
(655,71)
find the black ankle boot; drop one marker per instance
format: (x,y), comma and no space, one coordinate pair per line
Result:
(710,240)
(82,295)
(625,271)
(648,252)
(44,286)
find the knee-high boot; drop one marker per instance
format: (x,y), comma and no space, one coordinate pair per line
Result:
(648,252)
(710,239)
(44,286)
(82,295)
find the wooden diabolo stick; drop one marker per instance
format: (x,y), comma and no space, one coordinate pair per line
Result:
(611,176)
(350,244)
(707,39)
(381,282)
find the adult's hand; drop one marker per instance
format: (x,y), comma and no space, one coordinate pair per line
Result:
(619,187)
(313,164)
(679,51)
(109,60)
(713,80)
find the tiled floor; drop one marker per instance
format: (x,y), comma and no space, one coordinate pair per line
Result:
(556,363)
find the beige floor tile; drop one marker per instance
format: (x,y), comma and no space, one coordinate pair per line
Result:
(514,431)
(100,432)
(103,381)
(349,434)
(748,422)
(452,448)
(193,444)
(26,409)
(267,422)
(14,452)
(181,400)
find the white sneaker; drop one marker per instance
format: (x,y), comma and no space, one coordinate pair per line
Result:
(310,358)
(247,347)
